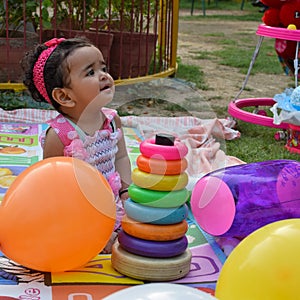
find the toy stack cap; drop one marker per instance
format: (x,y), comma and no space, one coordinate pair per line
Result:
(152,240)
(164,139)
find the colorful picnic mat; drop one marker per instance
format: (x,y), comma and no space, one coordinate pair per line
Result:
(20,148)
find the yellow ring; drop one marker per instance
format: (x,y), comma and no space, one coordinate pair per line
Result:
(159,182)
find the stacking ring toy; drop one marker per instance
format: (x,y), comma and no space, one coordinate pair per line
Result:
(161,166)
(170,268)
(154,232)
(148,248)
(158,198)
(159,182)
(155,215)
(149,149)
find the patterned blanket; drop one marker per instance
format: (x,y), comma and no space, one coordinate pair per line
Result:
(20,148)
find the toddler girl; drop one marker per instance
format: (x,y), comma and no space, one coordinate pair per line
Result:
(70,74)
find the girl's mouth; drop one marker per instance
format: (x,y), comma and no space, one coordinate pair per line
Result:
(104,88)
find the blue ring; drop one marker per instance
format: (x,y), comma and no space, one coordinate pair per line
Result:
(155,215)
(148,248)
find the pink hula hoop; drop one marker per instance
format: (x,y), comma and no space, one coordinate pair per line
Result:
(149,149)
(235,110)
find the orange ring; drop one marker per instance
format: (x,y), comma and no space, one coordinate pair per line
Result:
(159,182)
(154,232)
(161,166)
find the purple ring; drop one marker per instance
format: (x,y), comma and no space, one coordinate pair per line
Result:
(148,248)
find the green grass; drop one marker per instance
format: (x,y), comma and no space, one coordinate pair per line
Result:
(191,73)
(220,4)
(239,56)
(237,53)
(246,17)
(257,143)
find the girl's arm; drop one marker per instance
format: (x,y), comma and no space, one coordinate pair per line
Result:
(53,145)
(123,165)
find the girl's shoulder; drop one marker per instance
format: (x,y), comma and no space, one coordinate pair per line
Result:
(62,128)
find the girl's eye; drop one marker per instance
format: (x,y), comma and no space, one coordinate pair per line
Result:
(91,73)
(104,69)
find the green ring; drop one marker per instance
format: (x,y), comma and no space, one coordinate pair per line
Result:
(164,199)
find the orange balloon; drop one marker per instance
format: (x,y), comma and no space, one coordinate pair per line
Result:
(57,215)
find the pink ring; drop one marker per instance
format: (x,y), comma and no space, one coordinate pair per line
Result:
(235,110)
(149,149)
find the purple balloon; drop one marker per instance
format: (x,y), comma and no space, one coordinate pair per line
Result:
(234,201)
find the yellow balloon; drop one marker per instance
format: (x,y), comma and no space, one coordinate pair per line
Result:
(265,265)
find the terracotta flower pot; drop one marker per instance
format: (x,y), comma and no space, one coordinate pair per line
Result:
(102,40)
(12,51)
(131,54)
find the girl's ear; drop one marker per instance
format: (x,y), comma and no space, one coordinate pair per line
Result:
(60,95)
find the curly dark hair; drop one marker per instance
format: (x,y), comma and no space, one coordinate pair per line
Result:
(56,71)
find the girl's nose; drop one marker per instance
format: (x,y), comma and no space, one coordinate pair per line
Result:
(102,75)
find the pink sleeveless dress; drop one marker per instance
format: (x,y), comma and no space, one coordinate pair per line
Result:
(98,150)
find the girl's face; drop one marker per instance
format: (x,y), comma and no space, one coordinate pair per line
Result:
(90,84)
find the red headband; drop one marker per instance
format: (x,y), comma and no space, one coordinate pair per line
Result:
(38,69)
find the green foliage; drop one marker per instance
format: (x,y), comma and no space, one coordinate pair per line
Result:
(10,100)
(134,15)
(11,12)
(73,13)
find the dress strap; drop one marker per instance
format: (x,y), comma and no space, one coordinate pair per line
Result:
(81,133)
(110,115)
(62,128)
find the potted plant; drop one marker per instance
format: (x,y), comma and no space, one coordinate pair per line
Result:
(71,18)
(17,35)
(122,29)
(134,42)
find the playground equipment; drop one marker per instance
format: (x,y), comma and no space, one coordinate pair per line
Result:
(237,106)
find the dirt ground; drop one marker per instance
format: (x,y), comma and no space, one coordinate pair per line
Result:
(223,82)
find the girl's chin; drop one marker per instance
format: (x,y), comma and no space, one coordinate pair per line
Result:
(102,100)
